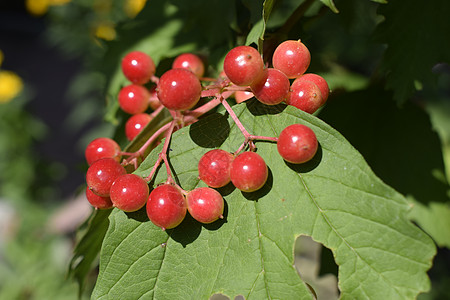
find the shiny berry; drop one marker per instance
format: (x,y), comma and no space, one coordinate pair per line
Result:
(320,82)
(305,95)
(133,99)
(101,175)
(138,67)
(297,144)
(243,65)
(101,148)
(272,88)
(166,206)
(248,172)
(97,201)
(292,58)
(205,204)
(214,168)
(179,89)
(135,124)
(129,192)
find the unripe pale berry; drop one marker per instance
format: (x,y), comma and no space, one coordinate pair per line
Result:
(138,67)
(297,143)
(191,62)
(166,206)
(101,174)
(179,89)
(248,172)
(101,148)
(292,58)
(205,204)
(243,65)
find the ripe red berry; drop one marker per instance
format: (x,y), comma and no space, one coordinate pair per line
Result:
(248,172)
(135,124)
(98,201)
(101,174)
(153,100)
(129,192)
(305,95)
(179,89)
(214,168)
(297,144)
(320,82)
(292,58)
(133,99)
(166,206)
(191,62)
(205,204)
(138,67)
(243,65)
(272,88)
(100,148)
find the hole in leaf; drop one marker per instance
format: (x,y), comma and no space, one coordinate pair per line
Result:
(308,262)
(223,297)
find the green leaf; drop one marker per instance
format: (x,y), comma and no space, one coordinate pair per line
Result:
(256,34)
(414,34)
(335,198)
(331,5)
(88,248)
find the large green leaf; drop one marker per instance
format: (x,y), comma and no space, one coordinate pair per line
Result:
(335,198)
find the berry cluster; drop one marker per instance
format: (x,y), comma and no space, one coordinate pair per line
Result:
(179,90)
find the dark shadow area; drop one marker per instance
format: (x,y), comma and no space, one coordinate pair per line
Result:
(226,190)
(256,195)
(258,109)
(139,215)
(211,131)
(309,165)
(327,263)
(187,232)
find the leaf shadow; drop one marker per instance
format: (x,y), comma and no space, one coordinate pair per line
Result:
(258,109)
(256,195)
(309,165)
(139,215)
(210,131)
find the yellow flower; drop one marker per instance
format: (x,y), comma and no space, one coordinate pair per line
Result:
(37,7)
(133,7)
(105,31)
(10,86)
(58,2)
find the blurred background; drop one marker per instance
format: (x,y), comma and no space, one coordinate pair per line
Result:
(51,106)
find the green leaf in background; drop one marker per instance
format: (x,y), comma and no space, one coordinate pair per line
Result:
(256,34)
(331,5)
(335,198)
(88,248)
(415,35)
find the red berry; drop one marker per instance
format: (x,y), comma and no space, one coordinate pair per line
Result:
(138,67)
(297,144)
(205,204)
(214,167)
(243,65)
(100,148)
(98,201)
(166,206)
(248,172)
(129,192)
(133,99)
(272,88)
(292,58)
(153,100)
(305,95)
(135,124)
(320,82)
(179,89)
(101,174)
(191,62)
